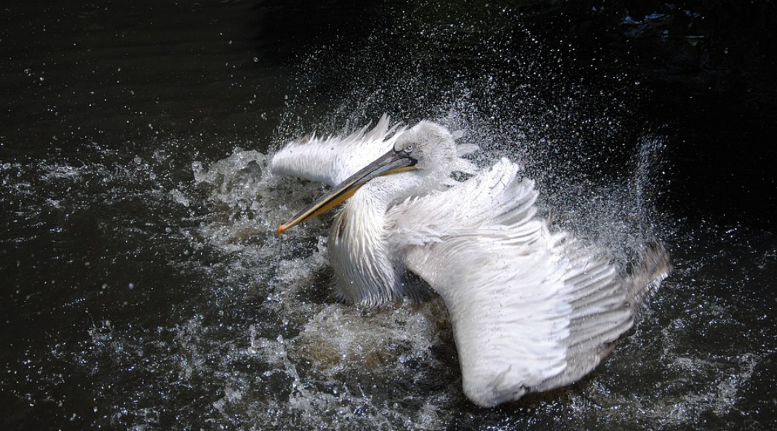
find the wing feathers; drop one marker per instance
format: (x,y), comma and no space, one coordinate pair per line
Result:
(332,159)
(531,310)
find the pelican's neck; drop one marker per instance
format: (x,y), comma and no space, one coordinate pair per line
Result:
(366,269)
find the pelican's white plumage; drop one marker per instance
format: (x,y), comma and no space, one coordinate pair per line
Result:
(531,309)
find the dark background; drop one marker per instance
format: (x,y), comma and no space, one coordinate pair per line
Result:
(111,291)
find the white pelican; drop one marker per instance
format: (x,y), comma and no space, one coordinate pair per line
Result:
(531,310)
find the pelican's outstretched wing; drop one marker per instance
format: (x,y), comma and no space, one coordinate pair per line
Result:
(333,159)
(531,310)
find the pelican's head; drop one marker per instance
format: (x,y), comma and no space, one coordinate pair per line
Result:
(427,148)
(430,145)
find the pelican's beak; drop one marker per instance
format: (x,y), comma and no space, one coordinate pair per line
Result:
(390,163)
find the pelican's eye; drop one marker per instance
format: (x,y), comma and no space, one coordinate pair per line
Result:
(408,149)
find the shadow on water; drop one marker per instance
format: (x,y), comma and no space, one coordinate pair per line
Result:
(144,286)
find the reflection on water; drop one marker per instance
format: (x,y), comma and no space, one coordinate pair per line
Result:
(144,286)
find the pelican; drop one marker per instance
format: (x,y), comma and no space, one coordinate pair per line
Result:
(531,309)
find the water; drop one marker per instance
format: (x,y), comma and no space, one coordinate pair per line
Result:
(144,286)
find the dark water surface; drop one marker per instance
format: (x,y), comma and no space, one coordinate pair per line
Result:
(143,286)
